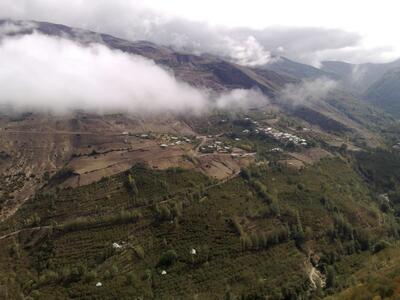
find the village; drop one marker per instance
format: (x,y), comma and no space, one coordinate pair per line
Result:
(172,140)
(280,136)
(284,137)
(214,144)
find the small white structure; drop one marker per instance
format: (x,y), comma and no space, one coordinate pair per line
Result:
(125,133)
(163,145)
(117,246)
(163,272)
(99,284)
(193,251)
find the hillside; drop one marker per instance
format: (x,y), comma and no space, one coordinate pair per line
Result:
(281,227)
(385,93)
(359,77)
(178,234)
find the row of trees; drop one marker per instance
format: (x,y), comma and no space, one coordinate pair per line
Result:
(168,212)
(260,240)
(80,223)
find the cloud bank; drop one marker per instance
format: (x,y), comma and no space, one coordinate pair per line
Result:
(135,21)
(42,73)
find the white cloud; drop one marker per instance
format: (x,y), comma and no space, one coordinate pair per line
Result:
(241,99)
(307,91)
(248,52)
(39,72)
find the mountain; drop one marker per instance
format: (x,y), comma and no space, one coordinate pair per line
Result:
(385,93)
(376,83)
(211,72)
(358,77)
(201,71)
(297,70)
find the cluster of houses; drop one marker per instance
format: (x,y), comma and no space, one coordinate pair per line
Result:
(216,146)
(280,136)
(171,140)
(283,137)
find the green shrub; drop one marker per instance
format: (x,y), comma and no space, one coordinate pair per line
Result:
(168,258)
(90,276)
(379,246)
(139,251)
(130,278)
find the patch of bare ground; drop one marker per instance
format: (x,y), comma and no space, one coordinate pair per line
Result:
(317,279)
(310,156)
(93,167)
(299,160)
(292,163)
(221,166)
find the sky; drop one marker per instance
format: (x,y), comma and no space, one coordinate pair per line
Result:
(249,31)
(376,21)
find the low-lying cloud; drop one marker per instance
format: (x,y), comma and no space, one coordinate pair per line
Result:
(42,73)
(308,91)
(238,99)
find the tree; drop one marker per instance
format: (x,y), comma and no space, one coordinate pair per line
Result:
(263,241)
(255,240)
(130,278)
(165,213)
(168,258)
(330,277)
(343,148)
(90,276)
(299,224)
(245,174)
(132,187)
